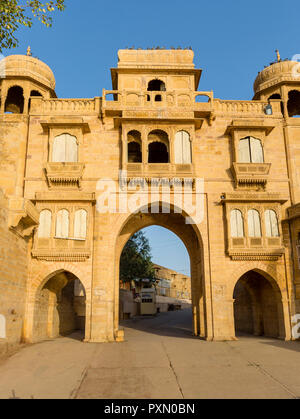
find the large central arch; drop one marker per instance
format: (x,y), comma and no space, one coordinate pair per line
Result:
(190,236)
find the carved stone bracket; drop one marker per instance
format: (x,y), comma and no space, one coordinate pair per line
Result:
(64,174)
(248,255)
(251,173)
(23,216)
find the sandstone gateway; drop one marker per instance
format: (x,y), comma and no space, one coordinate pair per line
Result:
(60,254)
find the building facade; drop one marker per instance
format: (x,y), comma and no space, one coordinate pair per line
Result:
(64,222)
(170,283)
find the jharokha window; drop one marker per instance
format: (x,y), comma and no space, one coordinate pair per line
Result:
(250,150)
(65,149)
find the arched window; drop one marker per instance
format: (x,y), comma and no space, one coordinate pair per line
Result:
(62,224)
(236,223)
(277,96)
(134,147)
(44,230)
(272,229)
(80,224)
(65,149)
(294,103)
(250,150)
(254,225)
(156,86)
(15,100)
(158,148)
(183,152)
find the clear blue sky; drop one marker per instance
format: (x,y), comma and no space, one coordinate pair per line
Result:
(232,40)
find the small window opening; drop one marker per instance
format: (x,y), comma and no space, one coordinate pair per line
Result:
(15,100)
(294,104)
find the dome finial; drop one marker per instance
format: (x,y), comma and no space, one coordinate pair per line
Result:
(278,55)
(29,53)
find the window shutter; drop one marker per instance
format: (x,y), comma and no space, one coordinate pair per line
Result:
(80,226)
(257,154)
(71,153)
(44,230)
(183,152)
(59,147)
(62,224)
(178,148)
(237,225)
(254,225)
(272,228)
(186,148)
(244,151)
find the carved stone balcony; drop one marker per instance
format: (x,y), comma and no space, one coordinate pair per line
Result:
(54,249)
(171,105)
(159,170)
(255,248)
(247,174)
(64,174)
(23,216)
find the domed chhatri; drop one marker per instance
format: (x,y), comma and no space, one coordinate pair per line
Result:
(29,67)
(277,73)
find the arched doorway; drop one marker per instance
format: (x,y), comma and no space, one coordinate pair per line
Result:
(60,307)
(258,307)
(190,236)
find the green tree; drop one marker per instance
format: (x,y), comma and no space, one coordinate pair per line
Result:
(16,13)
(136,259)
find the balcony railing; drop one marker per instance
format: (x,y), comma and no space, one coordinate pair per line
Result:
(168,101)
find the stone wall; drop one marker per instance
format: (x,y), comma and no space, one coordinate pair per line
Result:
(13,277)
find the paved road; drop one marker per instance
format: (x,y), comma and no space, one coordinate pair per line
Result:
(160,359)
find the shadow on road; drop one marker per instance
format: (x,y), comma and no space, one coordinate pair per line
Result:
(176,324)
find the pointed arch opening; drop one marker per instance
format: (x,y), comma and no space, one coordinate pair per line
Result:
(258,306)
(191,239)
(60,307)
